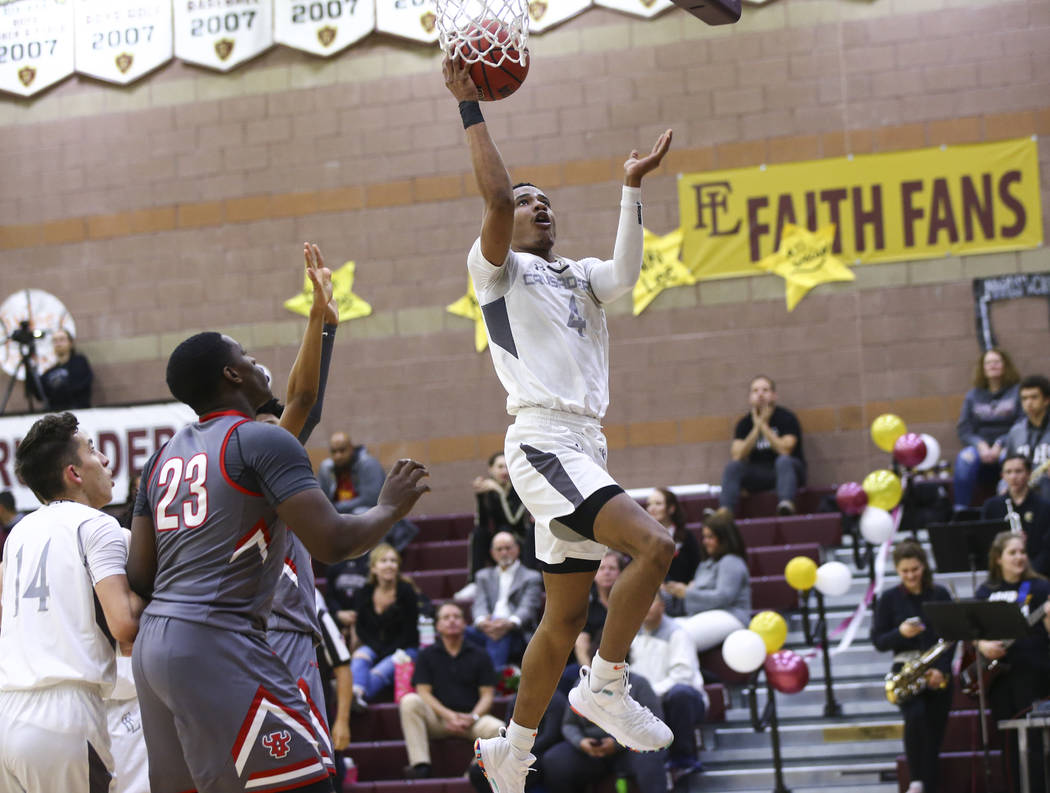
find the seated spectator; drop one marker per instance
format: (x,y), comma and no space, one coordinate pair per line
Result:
(1030,435)
(455,683)
(587,754)
(67,384)
(1030,513)
(990,408)
(664,507)
(718,599)
(351,477)
(507,603)
(385,618)
(766,451)
(9,516)
(663,653)
(498,509)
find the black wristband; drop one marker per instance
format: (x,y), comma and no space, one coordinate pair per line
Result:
(470,112)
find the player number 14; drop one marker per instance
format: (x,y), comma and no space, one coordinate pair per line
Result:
(576,320)
(38,587)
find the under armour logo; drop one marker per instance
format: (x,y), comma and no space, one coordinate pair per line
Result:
(277,743)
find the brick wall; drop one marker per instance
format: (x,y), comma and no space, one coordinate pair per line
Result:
(181,203)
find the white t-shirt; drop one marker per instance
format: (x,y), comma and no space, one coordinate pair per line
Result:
(48,630)
(547,331)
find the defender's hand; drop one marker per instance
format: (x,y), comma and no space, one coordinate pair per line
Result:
(320,277)
(457,79)
(404,486)
(637,166)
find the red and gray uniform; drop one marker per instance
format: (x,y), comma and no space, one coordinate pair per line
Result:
(208,682)
(293,630)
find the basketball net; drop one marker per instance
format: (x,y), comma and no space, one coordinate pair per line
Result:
(493,31)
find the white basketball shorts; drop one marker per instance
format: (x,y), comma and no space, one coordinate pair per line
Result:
(557,463)
(54,740)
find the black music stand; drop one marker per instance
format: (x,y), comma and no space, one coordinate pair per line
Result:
(969,621)
(963,546)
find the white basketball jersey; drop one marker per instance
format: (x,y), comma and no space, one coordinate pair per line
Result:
(48,628)
(547,331)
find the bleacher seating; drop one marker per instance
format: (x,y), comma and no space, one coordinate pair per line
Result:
(437,560)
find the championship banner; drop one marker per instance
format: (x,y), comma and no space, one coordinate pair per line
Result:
(221,34)
(921,204)
(409,19)
(647,9)
(36,45)
(322,27)
(121,41)
(545,14)
(127,436)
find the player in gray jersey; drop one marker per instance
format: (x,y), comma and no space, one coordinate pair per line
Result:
(208,542)
(293,630)
(546,325)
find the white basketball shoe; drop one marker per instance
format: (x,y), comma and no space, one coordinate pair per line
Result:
(614,710)
(504,768)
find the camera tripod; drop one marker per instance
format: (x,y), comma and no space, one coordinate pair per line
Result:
(34,386)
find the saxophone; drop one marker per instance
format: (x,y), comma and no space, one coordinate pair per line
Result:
(911,679)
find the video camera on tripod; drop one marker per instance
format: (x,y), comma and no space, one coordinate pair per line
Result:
(25,336)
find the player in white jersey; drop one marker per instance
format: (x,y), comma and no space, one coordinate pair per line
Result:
(550,347)
(56,659)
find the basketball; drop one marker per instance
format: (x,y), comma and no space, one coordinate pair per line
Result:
(493,81)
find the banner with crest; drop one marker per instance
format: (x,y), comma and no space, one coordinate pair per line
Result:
(120,41)
(409,19)
(36,45)
(544,14)
(639,8)
(221,34)
(322,27)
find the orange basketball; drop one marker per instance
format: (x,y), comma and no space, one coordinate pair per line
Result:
(494,82)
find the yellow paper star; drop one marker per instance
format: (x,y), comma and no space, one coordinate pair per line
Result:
(350,305)
(467,307)
(661,268)
(804,260)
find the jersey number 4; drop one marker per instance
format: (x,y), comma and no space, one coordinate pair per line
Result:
(576,320)
(195,507)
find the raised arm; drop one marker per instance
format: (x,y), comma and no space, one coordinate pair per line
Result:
(617,277)
(304,379)
(497,224)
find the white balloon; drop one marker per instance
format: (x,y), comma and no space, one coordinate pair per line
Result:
(833,579)
(744,651)
(933,453)
(876,525)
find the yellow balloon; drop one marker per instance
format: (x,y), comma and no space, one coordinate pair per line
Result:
(883,488)
(772,628)
(801,573)
(886,429)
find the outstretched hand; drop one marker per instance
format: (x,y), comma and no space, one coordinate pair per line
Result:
(457,79)
(404,486)
(637,166)
(321,278)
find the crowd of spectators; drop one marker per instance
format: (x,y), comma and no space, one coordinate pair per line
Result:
(1005,437)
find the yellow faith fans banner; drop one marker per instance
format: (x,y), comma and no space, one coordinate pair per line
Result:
(920,204)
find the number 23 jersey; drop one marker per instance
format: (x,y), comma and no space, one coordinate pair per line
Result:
(212,493)
(547,331)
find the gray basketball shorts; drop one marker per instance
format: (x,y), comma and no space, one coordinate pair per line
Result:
(297,651)
(221,712)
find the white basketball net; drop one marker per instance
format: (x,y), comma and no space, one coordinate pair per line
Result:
(492,31)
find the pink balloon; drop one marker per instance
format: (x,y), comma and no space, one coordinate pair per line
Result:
(909,449)
(787,672)
(851,498)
